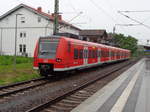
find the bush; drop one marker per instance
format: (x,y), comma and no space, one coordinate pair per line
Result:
(8,60)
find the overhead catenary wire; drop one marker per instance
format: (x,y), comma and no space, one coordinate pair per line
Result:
(101,9)
(106,13)
(72,6)
(72,19)
(76,11)
(134,20)
(136,11)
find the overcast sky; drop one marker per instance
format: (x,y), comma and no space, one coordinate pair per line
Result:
(97,14)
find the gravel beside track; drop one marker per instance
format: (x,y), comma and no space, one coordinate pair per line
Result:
(61,86)
(13,89)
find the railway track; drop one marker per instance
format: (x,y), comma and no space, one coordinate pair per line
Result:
(20,87)
(68,100)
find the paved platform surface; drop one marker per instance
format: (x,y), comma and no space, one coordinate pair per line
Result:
(130,92)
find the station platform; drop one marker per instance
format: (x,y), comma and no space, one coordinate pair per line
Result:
(130,92)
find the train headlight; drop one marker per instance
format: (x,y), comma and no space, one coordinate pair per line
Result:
(58,60)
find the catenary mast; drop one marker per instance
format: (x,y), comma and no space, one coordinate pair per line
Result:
(56,14)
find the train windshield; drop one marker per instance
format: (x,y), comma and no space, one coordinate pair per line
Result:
(47,48)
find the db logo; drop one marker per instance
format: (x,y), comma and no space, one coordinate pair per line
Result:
(45,61)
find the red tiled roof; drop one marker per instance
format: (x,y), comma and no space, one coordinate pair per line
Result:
(51,17)
(48,16)
(92,32)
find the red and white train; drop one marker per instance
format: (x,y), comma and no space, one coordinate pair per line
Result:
(59,53)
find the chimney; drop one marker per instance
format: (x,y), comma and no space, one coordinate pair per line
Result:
(39,9)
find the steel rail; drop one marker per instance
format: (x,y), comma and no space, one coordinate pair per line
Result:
(55,100)
(9,88)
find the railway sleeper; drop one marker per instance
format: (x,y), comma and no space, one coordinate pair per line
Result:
(67,105)
(74,99)
(69,101)
(60,109)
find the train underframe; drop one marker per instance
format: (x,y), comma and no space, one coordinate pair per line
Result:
(46,69)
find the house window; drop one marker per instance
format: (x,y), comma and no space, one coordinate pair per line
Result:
(23,34)
(24,48)
(22,19)
(39,19)
(20,48)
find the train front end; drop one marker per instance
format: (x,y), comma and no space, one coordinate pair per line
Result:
(45,55)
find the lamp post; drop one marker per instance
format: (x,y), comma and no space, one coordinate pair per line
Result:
(16,40)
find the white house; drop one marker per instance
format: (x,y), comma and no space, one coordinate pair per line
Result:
(31,24)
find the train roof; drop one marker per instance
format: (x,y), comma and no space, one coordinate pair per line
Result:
(84,42)
(92,43)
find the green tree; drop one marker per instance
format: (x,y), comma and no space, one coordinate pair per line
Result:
(126,42)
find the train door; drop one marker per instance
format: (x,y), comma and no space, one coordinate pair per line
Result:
(85,55)
(99,55)
(110,54)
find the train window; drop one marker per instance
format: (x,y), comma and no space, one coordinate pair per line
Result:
(113,54)
(86,53)
(99,53)
(80,53)
(102,53)
(47,48)
(96,53)
(69,46)
(118,53)
(93,54)
(89,54)
(75,53)
(107,54)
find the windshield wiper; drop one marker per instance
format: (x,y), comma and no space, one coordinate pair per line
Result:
(44,52)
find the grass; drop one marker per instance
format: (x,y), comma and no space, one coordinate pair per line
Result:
(24,70)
